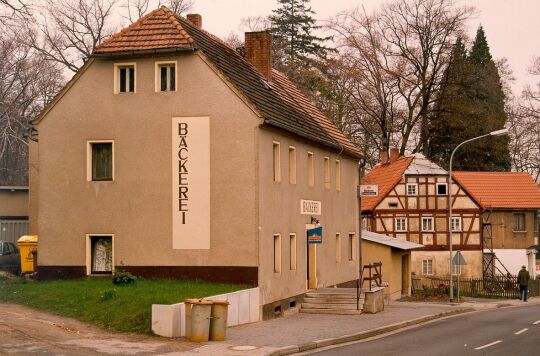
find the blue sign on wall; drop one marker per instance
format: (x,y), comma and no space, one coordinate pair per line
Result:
(314,236)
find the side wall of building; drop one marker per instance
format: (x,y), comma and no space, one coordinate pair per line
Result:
(13,203)
(441,263)
(502,230)
(279,208)
(136,208)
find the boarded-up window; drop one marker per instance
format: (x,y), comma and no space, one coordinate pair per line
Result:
(338,247)
(292,165)
(352,250)
(101,254)
(310,168)
(277,162)
(292,247)
(277,253)
(326,173)
(338,175)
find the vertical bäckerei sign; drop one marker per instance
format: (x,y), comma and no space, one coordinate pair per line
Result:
(191,182)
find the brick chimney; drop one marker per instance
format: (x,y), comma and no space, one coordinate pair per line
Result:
(394,155)
(195,19)
(258,50)
(384,156)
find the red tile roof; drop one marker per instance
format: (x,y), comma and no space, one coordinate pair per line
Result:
(279,102)
(160,29)
(500,190)
(386,176)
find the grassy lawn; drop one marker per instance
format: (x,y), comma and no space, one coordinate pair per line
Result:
(99,302)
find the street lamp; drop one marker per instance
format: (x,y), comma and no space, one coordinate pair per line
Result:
(450,230)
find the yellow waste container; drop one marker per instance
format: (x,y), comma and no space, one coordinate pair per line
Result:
(28,245)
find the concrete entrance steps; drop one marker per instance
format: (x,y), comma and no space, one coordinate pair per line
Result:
(332,301)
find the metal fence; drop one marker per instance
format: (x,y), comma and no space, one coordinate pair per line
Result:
(489,287)
(11,230)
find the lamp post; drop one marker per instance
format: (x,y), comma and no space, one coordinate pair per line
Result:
(450,184)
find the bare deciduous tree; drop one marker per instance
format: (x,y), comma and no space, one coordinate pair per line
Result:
(27,83)
(179,7)
(68,31)
(525,128)
(135,9)
(396,59)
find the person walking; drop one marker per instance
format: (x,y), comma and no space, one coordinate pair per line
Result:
(523,280)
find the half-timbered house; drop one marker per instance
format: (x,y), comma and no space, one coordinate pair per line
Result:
(412,205)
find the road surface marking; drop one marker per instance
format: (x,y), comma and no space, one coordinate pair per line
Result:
(521,331)
(488,345)
(536,322)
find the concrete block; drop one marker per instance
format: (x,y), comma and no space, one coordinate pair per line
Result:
(166,320)
(254,305)
(232,317)
(374,301)
(243,307)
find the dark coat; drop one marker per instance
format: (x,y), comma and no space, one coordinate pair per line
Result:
(523,277)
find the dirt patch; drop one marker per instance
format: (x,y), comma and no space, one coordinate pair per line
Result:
(28,331)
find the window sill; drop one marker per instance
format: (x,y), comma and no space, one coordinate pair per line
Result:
(519,231)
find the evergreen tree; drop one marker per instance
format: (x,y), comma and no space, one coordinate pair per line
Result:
(292,27)
(470,103)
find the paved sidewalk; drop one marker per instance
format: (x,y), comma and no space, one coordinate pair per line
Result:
(300,332)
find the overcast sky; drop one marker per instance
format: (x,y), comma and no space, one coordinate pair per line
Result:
(512,26)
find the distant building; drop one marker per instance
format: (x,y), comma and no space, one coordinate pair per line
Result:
(13,208)
(510,203)
(409,201)
(170,154)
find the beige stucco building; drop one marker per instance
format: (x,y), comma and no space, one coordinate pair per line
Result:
(395,258)
(172,155)
(510,203)
(411,204)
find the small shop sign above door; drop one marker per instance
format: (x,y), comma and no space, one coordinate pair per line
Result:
(310,207)
(314,236)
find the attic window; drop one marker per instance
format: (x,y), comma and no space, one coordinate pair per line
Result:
(442,189)
(392,205)
(124,78)
(165,76)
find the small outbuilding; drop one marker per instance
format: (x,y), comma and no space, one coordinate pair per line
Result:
(395,255)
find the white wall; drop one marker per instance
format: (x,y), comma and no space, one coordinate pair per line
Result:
(244,307)
(513,259)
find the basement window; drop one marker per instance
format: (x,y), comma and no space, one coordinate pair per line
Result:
(166,76)
(124,78)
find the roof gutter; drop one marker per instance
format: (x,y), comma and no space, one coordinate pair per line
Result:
(13,187)
(142,52)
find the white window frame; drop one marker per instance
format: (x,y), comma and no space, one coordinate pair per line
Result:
(89,160)
(292,251)
(292,165)
(427,267)
(338,175)
(277,252)
(415,185)
(276,157)
(459,226)
(456,270)
(116,81)
(89,253)
(437,189)
(428,218)
(157,75)
(403,227)
(311,169)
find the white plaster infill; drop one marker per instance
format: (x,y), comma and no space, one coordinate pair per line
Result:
(169,320)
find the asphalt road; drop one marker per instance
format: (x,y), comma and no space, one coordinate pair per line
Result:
(505,332)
